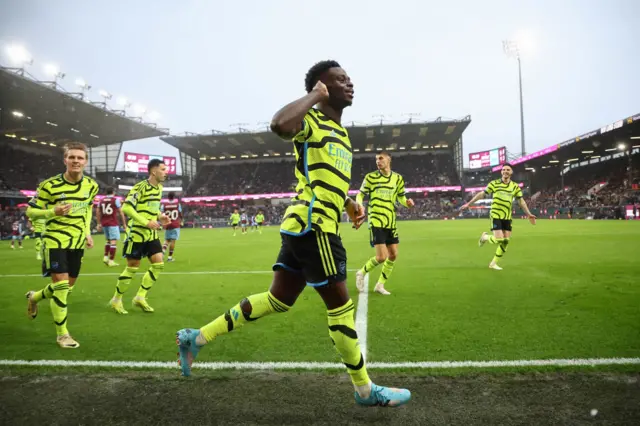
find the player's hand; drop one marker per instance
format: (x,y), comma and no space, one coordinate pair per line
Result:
(164,219)
(321,89)
(356,213)
(153,225)
(532,218)
(62,209)
(410,203)
(99,228)
(89,241)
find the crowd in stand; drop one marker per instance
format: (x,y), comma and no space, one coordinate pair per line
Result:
(583,186)
(277,176)
(25,170)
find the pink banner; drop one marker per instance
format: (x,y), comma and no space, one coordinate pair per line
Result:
(529,157)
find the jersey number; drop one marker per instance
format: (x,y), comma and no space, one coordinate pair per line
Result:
(107,209)
(173,214)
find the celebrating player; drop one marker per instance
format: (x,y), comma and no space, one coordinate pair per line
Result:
(234,219)
(384,188)
(107,213)
(66,201)
(504,190)
(259,220)
(173,210)
(16,233)
(142,206)
(311,252)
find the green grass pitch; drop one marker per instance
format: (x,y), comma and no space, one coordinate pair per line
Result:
(569,289)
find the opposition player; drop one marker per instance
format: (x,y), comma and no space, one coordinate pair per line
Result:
(142,207)
(16,234)
(254,224)
(66,202)
(39,226)
(107,212)
(244,221)
(504,190)
(173,210)
(311,252)
(234,220)
(384,189)
(259,220)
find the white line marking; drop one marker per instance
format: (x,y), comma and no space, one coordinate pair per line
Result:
(361,317)
(588,362)
(117,272)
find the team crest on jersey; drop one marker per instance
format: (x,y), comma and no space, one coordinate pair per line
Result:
(63,196)
(333,134)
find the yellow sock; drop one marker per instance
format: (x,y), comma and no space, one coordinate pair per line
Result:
(387,268)
(501,250)
(261,305)
(124,280)
(371,264)
(45,293)
(59,306)
(150,278)
(342,330)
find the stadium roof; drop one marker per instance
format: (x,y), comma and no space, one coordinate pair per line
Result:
(591,147)
(43,112)
(410,135)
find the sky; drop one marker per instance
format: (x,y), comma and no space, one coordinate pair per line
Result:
(206,65)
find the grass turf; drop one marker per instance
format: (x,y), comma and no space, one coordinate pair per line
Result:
(569,289)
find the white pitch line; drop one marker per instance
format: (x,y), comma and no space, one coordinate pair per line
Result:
(586,362)
(361,317)
(117,271)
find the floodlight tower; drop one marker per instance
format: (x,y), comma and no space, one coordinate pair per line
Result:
(512,50)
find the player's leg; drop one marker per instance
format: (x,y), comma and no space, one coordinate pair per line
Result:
(57,265)
(133,253)
(20,241)
(387,268)
(107,244)
(498,238)
(13,239)
(285,288)
(329,280)
(377,241)
(153,250)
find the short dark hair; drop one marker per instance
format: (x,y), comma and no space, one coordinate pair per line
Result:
(314,73)
(154,163)
(171,195)
(110,190)
(508,164)
(385,153)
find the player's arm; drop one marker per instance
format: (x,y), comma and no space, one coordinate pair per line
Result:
(364,190)
(525,208)
(129,208)
(402,196)
(480,195)
(289,120)
(99,215)
(39,205)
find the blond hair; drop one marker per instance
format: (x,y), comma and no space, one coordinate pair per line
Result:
(76,145)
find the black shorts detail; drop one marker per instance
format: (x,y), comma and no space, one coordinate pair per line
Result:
(319,256)
(383,236)
(501,224)
(61,261)
(139,250)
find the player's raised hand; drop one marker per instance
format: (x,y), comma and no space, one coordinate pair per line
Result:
(410,202)
(62,209)
(153,225)
(321,89)
(532,218)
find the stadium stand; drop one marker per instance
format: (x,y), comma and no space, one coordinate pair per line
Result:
(36,119)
